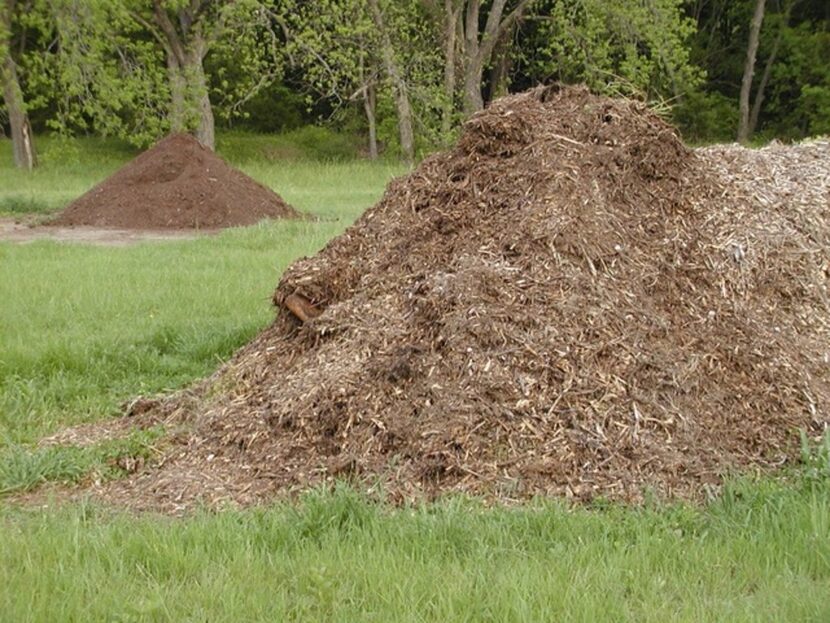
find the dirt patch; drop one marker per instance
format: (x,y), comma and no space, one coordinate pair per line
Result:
(11,230)
(570,302)
(177,184)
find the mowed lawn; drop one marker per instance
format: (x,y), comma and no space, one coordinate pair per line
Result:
(83,329)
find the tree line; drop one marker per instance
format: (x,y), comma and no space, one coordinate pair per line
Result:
(402,73)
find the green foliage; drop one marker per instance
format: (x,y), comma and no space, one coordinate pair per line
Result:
(274,108)
(337,48)
(101,66)
(272,65)
(99,73)
(631,47)
(418,48)
(798,101)
(814,104)
(246,59)
(334,43)
(706,117)
(21,28)
(795,38)
(308,143)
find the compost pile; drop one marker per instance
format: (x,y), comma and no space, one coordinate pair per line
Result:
(569,302)
(177,184)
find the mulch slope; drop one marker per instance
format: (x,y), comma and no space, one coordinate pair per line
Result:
(570,302)
(176,184)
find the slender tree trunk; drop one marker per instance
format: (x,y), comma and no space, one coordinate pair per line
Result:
(398,85)
(447,16)
(367,92)
(369,106)
(23,147)
(755,114)
(749,70)
(500,70)
(473,65)
(452,13)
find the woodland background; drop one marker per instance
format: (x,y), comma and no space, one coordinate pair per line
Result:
(398,77)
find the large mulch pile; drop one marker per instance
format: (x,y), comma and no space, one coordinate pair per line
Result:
(569,302)
(176,184)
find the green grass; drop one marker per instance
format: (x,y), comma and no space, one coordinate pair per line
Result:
(82,329)
(22,469)
(85,328)
(761,553)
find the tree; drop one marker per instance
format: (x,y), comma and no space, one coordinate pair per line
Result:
(631,47)
(100,72)
(375,52)
(186,30)
(749,70)
(143,63)
(335,45)
(446,16)
(797,101)
(792,95)
(399,85)
(758,101)
(479,42)
(23,147)
(473,35)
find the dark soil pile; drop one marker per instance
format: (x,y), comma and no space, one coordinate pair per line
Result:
(570,302)
(177,184)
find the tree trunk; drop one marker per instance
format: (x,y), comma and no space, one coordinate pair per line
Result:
(500,71)
(452,13)
(23,147)
(762,85)
(749,70)
(473,68)
(190,106)
(759,93)
(206,132)
(398,85)
(177,113)
(473,100)
(200,97)
(478,48)
(369,106)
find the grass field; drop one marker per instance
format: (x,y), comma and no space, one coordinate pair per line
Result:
(83,329)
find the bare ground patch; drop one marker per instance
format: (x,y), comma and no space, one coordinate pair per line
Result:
(17,230)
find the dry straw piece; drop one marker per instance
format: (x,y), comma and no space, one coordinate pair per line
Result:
(569,302)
